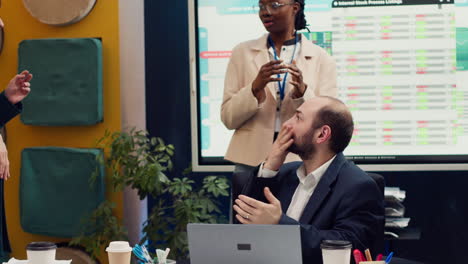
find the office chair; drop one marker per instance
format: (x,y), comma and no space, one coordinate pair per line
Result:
(380,180)
(379,242)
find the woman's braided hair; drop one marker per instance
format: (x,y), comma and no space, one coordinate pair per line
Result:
(300,22)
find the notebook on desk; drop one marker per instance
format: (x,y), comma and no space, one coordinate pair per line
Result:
(246,244)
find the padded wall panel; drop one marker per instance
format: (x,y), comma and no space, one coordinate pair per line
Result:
(66,89)
(55,192)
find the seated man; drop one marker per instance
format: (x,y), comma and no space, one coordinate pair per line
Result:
(328,196)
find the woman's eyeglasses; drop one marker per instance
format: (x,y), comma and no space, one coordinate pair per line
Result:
(271,7)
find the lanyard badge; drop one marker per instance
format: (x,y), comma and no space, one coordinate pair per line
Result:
(282,85)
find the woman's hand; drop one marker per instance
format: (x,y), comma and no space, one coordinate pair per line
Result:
(4,162)
(268,73)
(297,81)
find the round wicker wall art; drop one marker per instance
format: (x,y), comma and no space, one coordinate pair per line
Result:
(59,12)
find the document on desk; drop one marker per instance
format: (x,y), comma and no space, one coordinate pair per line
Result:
(394,194)
(399,222)
(394,209)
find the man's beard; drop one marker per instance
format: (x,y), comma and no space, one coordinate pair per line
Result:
(303,147)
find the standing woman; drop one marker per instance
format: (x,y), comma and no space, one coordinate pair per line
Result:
(267,79)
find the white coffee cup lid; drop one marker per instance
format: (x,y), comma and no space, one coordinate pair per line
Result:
(119,246)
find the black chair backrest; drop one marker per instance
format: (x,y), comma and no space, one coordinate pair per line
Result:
(380,180)
(379,242)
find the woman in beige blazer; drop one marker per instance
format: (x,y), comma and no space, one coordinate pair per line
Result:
(267,79)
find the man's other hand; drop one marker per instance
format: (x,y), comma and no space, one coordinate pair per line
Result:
(251,211)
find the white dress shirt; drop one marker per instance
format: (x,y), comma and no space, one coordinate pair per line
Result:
(305,188)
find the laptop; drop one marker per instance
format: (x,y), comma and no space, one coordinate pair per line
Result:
(244,244)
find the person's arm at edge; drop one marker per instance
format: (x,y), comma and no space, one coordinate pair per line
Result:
(8,109)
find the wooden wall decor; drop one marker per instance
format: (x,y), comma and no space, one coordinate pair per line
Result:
(59,12)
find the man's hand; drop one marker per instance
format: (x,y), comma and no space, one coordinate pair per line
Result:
(4,162)
(251,211)
(279,151)
(19,87)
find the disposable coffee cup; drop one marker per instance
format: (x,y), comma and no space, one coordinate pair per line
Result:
(119,252)
(336,251)
(41,252)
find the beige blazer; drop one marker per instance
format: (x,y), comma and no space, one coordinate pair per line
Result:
(254,125)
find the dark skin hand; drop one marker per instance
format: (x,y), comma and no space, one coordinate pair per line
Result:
(268,73)
(297,80)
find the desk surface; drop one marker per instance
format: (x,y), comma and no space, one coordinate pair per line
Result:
(395,260)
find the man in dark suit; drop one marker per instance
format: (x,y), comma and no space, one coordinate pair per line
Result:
(328,196)
(10,106)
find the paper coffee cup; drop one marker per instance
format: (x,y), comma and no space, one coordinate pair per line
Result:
(119,252)
(41,252)
(336,252)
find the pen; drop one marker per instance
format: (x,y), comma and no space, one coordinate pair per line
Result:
(389,258)
(357,256)
(379,257)
(368,255)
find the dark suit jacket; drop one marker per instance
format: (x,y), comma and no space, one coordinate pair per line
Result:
(7,109)
(345,205)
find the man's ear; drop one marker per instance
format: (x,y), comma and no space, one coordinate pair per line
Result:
(324,134)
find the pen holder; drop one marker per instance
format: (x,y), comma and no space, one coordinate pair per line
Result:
(373,262)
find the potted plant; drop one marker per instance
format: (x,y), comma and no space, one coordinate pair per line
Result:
(134,159)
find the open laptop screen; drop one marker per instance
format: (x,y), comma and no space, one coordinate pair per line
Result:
(246,244)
